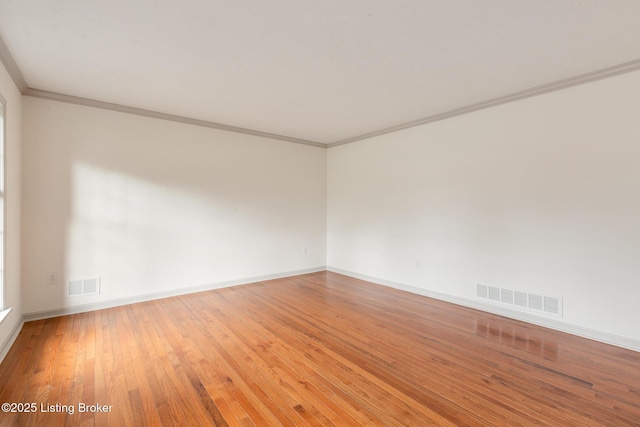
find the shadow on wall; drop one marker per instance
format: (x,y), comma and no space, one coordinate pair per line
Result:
(149,206)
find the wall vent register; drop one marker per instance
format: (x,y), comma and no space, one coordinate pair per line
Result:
(521,300)
(86,286)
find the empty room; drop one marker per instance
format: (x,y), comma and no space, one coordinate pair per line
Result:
(320,213)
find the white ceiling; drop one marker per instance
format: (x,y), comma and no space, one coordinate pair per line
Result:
(322,71)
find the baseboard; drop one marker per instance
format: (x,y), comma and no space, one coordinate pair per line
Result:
(64,311)
(6,345)
(581,331)
(569,328)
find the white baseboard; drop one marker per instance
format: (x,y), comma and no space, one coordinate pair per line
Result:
(555,324)
(75,309)
(581,331)
(6,345)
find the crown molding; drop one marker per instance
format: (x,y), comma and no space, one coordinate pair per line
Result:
(18,78)
(626,67)
(14,71)
(12,68)
(37,93)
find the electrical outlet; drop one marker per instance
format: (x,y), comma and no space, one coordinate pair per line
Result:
(52,279)
(305,251)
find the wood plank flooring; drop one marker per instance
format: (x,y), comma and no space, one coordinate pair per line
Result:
(319,349)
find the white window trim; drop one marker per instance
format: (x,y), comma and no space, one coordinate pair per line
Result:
(4,310)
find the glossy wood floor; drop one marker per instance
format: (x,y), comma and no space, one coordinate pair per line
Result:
(318,349)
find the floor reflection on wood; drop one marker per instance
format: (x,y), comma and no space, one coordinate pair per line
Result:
(317,349)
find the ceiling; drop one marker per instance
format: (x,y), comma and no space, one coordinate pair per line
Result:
(322,71)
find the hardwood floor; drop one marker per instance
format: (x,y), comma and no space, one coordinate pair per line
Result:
(318,349)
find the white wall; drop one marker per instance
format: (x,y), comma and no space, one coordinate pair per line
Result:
(13,125)
(542,194)
(153,206)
